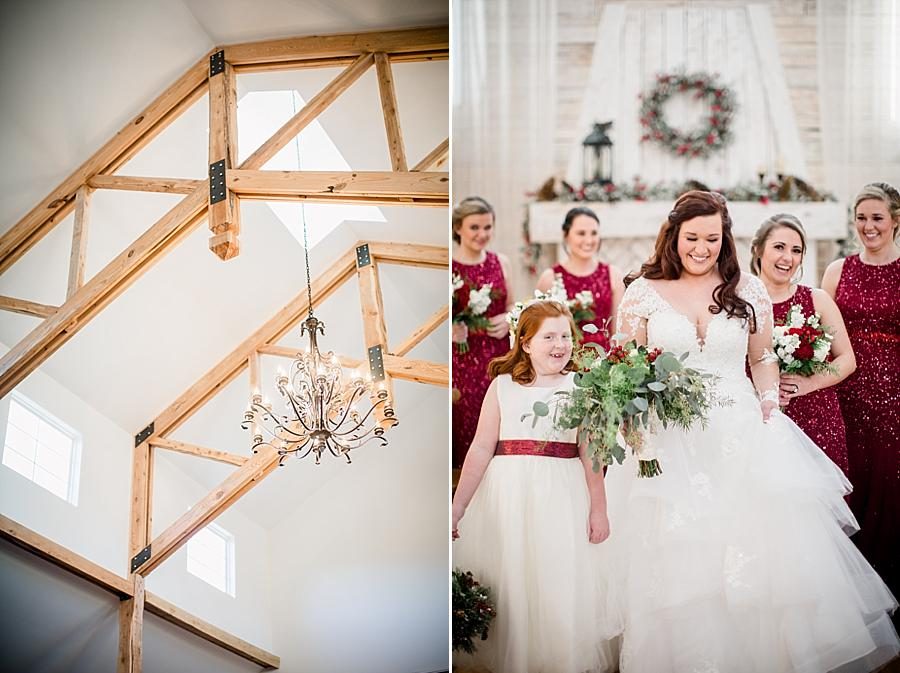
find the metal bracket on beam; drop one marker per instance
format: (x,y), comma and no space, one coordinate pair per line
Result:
(217,63)
(141,558)
(143,434)
(376,363)
(217,182)
(362,256)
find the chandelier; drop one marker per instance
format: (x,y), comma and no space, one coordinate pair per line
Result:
(324,412)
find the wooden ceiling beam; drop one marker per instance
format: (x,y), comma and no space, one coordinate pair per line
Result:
(199,451)
(26,307)
(224,210)
(340,186)
(131,629)
(411,40)
(307,113)
(61,557)
(212,505)
(390,113)
(406,369)
(422,331)
(435,158)
(110,282)
(142,184)
(339,61)
(411,254)
(139,131)
(78,254)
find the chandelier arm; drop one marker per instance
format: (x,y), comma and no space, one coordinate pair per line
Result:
(348,408)
(364,419)
(297,412)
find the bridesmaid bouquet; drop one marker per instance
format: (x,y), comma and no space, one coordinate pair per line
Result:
(469,307)
(634,388)
(579,305)
(802,344)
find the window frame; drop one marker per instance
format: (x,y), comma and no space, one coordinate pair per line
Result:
(230,569)
(73,479)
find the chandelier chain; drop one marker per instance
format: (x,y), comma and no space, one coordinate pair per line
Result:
(303,214)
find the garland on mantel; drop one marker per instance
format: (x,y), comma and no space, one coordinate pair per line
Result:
(784,188)
(713,135)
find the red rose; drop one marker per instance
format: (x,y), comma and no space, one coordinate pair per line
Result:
(804,352)
(764,200)
(461,298)
(652,355)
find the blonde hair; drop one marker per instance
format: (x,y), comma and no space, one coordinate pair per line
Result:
(471,205)
(765,230)
(517,362)
(881,191)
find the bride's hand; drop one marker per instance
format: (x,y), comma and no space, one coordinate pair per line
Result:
(598,527)
(767,407)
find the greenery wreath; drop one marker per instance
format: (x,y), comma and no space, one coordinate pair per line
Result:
(712,136)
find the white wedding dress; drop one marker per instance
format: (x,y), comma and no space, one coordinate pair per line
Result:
(736,558)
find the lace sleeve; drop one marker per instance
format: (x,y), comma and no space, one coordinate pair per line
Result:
(635,308)
(763,365)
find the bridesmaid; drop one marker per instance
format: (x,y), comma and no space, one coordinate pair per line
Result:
(473,228)
(866,288)
(581,271)
(776,256)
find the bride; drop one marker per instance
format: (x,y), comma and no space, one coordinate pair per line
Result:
(736,558)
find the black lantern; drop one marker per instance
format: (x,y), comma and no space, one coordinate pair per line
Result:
(598,155)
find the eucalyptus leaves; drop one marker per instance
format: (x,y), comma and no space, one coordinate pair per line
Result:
(621,397)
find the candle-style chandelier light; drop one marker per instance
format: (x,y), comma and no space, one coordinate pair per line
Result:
(325,411)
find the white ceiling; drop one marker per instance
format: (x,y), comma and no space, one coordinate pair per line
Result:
(74,73)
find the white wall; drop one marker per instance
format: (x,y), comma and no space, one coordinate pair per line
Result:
(97,528)
(360,570)
(248,613)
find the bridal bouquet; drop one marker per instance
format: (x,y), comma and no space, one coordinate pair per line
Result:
(469,306)
(634,388)
(802,344)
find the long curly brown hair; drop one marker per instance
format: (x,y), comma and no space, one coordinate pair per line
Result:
(665,264)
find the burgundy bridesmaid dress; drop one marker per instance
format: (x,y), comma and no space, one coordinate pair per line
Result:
(599,285)
(869,299)
(818,414)
(470,375)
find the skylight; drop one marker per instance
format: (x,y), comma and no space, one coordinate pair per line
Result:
(261,114)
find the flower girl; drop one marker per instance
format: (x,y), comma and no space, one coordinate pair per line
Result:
(534,513)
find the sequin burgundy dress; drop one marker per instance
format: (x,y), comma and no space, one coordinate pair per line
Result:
(869,299)
(818,414)
(470,375)
(598,284)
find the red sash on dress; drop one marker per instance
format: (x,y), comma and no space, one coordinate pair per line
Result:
(536,447)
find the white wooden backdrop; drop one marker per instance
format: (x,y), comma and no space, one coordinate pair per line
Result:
(636,41)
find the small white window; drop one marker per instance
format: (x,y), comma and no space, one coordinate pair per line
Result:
(210,556)
(42,448)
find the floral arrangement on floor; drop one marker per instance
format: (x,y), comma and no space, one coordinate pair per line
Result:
(711,136)
(473,611)
(634,388)
(802,344)
(469,307)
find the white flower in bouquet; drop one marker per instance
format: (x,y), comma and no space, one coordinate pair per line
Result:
(821,350)
(795,316)
(585,298)
(557,291)
(479,300)
(458,282)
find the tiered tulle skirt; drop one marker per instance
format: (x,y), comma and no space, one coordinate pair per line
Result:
(737,558)
(525,535)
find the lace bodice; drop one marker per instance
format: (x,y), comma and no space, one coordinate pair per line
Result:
(721,350)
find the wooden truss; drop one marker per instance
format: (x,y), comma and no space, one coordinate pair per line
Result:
(217,199)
